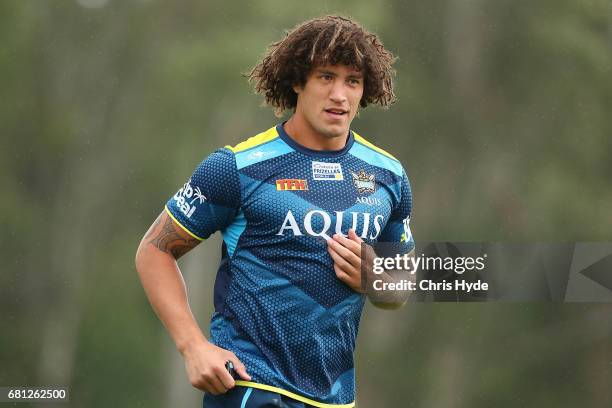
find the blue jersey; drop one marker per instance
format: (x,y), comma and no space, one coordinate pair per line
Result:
(278,303)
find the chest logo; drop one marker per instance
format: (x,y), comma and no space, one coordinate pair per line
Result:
(364,183)
(326,171)
(260,154)
(291,185)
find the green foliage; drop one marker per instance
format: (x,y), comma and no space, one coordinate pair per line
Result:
(502,123)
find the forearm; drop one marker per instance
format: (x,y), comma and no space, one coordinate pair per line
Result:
(165,288)
(164,285)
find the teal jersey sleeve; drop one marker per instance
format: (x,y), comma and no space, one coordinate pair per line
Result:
(397,229)
(210,199)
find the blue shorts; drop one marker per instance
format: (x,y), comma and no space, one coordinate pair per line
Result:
(246,397)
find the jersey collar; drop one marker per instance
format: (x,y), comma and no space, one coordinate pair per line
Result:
(310,152)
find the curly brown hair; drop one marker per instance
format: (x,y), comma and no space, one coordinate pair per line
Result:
(326,40)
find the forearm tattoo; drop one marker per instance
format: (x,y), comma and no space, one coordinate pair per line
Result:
(168,239)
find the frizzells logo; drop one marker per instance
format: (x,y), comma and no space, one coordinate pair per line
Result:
(364,183)
(324,222)
(187,198)
(326,171)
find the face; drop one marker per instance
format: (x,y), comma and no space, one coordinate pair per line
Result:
(329,100)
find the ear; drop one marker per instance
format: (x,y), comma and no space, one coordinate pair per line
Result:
(297,88)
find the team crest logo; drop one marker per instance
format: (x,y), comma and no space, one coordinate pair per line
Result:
(364,183)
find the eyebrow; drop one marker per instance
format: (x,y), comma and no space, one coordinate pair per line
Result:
(351,76)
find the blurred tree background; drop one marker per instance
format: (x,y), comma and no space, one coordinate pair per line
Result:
(503,122)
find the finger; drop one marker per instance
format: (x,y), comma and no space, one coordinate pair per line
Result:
(213,383)
(340,262)
(338,259)
(240,369)
(351,240)
(340,274)
(352,245)
(353,236)
(225,378)
(348,280)
(206,386)
(216,384)
(201,385)
(346,253)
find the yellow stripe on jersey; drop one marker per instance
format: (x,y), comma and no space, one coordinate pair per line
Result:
(292,395)
(373,147)
(256,140)
(181,225)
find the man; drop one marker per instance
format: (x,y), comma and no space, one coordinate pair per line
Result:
(294,205)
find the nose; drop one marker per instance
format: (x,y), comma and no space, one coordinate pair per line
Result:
(337,92)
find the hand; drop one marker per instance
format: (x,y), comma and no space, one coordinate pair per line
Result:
(346,254)
(205,365)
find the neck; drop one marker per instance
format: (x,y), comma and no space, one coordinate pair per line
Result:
(302,133)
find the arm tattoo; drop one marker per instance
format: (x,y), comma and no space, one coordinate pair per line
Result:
(168,239)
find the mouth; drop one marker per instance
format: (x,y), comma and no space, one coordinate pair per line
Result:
(336,112)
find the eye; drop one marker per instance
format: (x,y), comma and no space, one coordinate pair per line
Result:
(326,77)
(354,81)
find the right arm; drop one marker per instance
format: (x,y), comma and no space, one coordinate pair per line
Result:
(162,245)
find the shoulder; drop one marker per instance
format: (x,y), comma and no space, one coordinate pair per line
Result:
(254,141)
(367,151)
(259,148)
(363,141)
(234,155)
